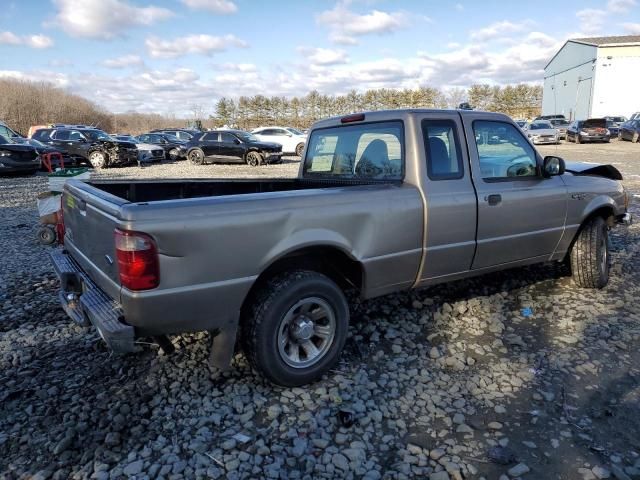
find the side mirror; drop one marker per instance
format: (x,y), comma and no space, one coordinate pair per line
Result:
(552,166)
(237,141)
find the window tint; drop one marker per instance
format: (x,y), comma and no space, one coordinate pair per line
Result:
(227,138)
(61,134)
(183,135)
(444,161)
(503,151)
(370,151)
(210,137)
(75,135)
(280,131)
(42,134)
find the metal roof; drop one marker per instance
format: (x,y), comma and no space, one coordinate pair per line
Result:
(614,40)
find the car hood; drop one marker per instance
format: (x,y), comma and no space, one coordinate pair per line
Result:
(148,146)
(12,147)
(597,169)
(542,131)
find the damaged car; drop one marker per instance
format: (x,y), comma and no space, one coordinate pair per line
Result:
(16,158)
(91,145)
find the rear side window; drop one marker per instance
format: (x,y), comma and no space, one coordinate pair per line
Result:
(444,161)
(62,134)
(362,151)
(210,137)
(41,134)
(227,138)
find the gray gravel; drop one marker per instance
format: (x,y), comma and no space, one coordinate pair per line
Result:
(452,382)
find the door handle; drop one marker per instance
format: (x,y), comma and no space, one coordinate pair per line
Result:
(493,199)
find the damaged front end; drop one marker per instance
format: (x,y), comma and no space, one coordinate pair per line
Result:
(119,153)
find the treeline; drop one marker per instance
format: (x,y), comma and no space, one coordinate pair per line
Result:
(519,101)
(24,103)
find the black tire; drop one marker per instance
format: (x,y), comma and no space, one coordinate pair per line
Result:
(589,255)
(578,139)
(196,156)
(300,149)
(254,159)
(173,154)
(98,159)
(263,322)
(636,137)
(47,235)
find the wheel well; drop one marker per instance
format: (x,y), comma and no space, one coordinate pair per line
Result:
(606,212)
(330,261)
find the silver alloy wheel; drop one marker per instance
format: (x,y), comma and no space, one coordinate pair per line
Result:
(174,154)
(97,159)
(306,332)
(196,156)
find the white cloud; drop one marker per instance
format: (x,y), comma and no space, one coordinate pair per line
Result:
(591,20)
(632,28)
(191,44)
(345,25)
(237,67)
(33,41)
(123,62)
(324,56)
(499,29)
(459,7)
(215,6)
(621,6)
(104,19)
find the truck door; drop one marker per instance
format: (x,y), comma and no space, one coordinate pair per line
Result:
(209,144)
(450,215)
(521,215)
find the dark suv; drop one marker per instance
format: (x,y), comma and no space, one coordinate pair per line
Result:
(232,146)
(185,134)
(89,144)
(174,148)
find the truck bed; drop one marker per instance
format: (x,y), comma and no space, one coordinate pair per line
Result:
(156,190)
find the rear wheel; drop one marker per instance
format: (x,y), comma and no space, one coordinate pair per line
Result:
(254,159)
(295,330)
(578,139)
(196,156)
(98,159)
(590,255)
(300,149)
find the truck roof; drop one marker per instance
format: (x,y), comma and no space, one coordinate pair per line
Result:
(399,114)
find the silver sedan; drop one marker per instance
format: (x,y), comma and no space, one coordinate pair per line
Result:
(542,132)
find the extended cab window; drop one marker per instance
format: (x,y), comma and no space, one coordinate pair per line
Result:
(503,151)
(444,161)
(367,150)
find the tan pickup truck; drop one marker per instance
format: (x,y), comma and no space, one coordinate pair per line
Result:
(385,201)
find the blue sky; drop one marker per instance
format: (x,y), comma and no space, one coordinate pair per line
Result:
(167,55)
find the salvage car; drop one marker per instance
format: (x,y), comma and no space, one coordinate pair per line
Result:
(42,149)
(17,158)
(184,134)
(385,201)
(561,126)
(89,144)
(591,130)
(541,132)
(147,152)
(292,140)
(232,146)
(174,148)
(630,130)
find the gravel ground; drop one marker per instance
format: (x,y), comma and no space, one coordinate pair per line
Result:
(515,374)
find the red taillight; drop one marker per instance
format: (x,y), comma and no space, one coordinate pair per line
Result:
(137,260)
(357,117)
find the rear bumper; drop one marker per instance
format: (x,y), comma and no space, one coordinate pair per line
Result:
(87,304)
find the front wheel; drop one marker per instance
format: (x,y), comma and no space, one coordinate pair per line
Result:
(254,159)
(174,154)
(590,255)
(98,159)
(578,139)
(636,137)
(300,149)
(295,330)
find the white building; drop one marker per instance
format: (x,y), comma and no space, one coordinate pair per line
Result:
(593,77)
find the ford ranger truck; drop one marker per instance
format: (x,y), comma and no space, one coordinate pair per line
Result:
(384,201)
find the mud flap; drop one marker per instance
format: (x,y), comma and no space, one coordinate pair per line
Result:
(223,346)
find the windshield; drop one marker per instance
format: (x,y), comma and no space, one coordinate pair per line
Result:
(96,135)
(540,126)
(294,131)
(248,137)
(4,140)
(362,151)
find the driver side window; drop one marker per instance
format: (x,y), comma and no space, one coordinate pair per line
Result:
(503,151)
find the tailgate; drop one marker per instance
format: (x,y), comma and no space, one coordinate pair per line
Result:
(90,218)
